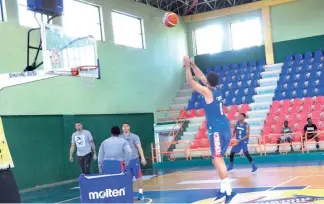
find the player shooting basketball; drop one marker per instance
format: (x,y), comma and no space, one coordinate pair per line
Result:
(219,129)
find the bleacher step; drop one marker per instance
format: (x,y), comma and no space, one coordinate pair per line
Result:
(188,133)
(273,66)
(178,106)
(263,97)
(270,74)
(188,137)
(260,105)
(268,82)
(255,121)
(265,90)
(258,113)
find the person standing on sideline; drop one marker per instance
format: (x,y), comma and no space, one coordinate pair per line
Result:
(242,132)
(83,140)
(114,153)
(134,165)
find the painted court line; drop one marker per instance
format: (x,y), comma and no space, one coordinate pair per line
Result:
(283,183)
(202,181)
(68,200)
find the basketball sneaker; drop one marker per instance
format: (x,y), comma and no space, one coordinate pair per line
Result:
(140,196)
(254,168)
(219,197)
(230,197)
(230,167)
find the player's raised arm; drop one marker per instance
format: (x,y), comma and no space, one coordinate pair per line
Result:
(198,72)
(191,82)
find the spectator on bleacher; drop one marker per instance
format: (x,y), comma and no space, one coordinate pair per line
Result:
(310,131)
(286,135)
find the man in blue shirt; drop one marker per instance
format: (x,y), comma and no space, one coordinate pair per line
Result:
(242,132)
(219,129)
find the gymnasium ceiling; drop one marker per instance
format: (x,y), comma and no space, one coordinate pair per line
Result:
(188,7)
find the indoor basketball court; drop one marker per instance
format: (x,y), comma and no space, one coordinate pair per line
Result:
(110,63)
(292,183)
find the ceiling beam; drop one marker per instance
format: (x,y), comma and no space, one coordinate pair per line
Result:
(208,4)
(234,10)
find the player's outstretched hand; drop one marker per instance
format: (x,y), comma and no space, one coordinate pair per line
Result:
(71,159)
(186,62)
(144,161)
(94,157)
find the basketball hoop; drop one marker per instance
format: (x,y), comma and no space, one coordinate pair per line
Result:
(87,73)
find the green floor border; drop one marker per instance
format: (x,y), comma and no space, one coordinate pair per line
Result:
(269,159)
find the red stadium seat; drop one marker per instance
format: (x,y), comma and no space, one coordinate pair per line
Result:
(281,118)
(191,113)
(285,103)
(303,117)
(195,144)
(225,109)
(201,113)
(274,111)
(308,101)
(283,110)
(233,108)
(292,118)
(319,100)
(316,115)
(277,128)
(270,119)
(294,109)
(201,135)
(306,108)
(244,108)
(318,107)
(297,102)
(204,125)
(275,105)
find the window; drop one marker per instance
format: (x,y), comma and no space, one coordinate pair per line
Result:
(83,18)
(208,40)
(246,34)
(2,11)
(27,18)
(128,30)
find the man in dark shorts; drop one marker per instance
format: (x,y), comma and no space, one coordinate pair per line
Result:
(9,192)
(310,131)
(286,135)
(83,140)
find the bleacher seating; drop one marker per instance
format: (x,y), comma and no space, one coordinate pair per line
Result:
(299,94)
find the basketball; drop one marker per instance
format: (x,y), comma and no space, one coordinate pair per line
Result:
(170,19)
(233,142)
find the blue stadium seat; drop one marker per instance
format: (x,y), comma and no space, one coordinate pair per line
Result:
(318,56)
(278,95)
(250,92)
(293,70)
(298,56)
(252,63)
(245,77)
(300,85)
(249,69)
(233,85)
(298,93)
(312,76)
(261,62)
(308,55)
(217,68)
(234,66)
(296,63)
(287,95)
(253,83)
(289,87)
(286,64)
(226,67)
(209,69)
(309,93)
(282,79)
(306,61)
(243,64)
(288,58)
(285,71)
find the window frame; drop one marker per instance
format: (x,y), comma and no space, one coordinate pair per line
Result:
(231,32)
(2,11)
(194,36)
(47,17)
(100,23)
(141,20)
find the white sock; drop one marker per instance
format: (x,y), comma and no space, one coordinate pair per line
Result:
(140,191)
(226,186)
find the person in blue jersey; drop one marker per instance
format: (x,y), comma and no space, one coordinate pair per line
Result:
(242,132)
(219,130)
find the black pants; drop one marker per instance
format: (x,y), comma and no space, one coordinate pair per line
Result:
(84,162)
(9,192)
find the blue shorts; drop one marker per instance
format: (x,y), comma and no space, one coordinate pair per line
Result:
(240,146)
(219,134)
(112,167)
(134,167)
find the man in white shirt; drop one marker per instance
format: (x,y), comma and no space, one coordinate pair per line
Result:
(83,140)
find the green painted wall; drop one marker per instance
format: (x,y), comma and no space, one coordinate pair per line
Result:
(132,81)
(40,145)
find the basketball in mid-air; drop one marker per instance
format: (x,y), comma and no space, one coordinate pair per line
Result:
(170,19)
